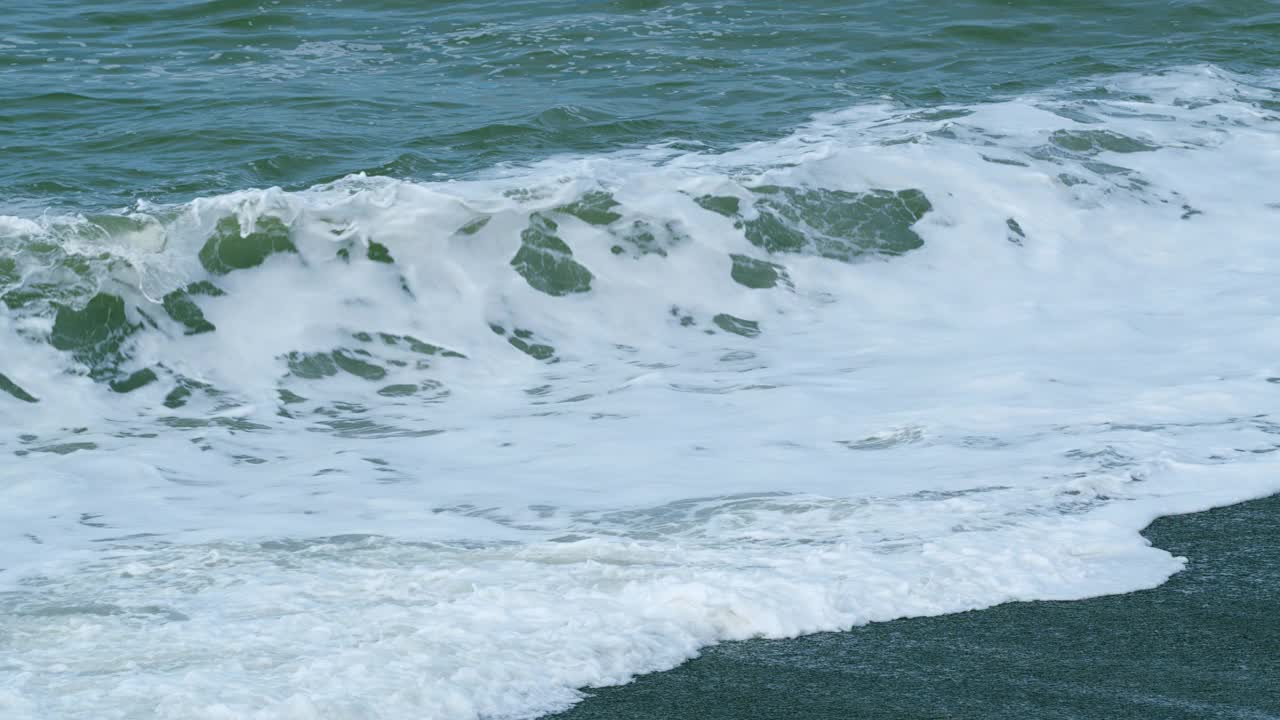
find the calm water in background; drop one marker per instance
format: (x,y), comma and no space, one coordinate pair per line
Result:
(106,103)
(403,360)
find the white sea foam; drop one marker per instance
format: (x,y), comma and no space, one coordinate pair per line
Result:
(990,417)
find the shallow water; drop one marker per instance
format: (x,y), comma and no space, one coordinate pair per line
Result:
(1200,646)
(400,362)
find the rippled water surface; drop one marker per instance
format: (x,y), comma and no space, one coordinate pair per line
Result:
(404,360)
(104,103)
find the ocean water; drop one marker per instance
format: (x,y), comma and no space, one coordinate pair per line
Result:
(440,360)
(1200,646)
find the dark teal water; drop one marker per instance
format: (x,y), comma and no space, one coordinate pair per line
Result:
(586,336)
(105,103)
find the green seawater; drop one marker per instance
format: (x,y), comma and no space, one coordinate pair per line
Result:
(105,103)
(575,332)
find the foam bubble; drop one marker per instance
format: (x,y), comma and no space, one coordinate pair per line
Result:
(461,449)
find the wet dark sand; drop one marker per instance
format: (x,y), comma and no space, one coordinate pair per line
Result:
(1204,645)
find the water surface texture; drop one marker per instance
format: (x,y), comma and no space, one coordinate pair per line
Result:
(440,360)
(1200,646)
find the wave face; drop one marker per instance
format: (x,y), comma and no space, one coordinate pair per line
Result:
(393,449)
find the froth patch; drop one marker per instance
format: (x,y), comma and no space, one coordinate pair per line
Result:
(857,373)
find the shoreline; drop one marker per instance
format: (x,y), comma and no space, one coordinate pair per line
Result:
(1205,644)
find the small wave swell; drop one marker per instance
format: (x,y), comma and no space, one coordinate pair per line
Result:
(390,449)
